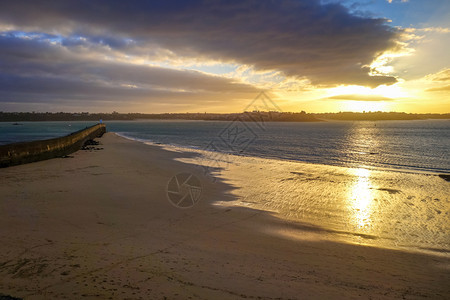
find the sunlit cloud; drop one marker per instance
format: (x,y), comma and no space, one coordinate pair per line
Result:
(380,66)
(445,88)
(40,71)
(443,75)
(440,81)
(194,54)
(430,29)
(293,37)
(360,97)
(399,1)
(388,92)
(365,106)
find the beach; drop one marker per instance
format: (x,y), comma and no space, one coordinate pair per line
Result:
(99,225)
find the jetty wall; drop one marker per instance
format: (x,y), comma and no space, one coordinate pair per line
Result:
(26,152)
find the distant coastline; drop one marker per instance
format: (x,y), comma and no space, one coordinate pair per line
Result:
(245,116)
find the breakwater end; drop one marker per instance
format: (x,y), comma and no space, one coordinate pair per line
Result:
(27,152)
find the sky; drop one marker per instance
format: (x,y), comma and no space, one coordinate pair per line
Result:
(218,55)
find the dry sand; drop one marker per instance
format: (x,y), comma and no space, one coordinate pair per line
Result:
(99,225)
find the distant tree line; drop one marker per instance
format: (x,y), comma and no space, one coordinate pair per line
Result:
(271,116)
(376,116)
(246,116)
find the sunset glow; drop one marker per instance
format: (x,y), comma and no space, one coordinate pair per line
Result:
(220,149)
(379,56)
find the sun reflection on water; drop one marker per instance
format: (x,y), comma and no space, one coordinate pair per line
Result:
(361,199)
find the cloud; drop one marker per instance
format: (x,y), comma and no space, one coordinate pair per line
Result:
(37,70)
(443,75)
(441,79)
(402,1)
(303,39)
(440,89)
(356,97)
(434,29)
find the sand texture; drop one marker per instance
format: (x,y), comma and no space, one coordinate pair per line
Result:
(98,225)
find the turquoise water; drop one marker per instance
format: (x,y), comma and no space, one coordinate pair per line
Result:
(30,131)
(421,145)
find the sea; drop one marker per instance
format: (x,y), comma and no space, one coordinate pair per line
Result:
(373,183)
(419,145)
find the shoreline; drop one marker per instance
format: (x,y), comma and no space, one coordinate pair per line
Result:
(175,147)
(377,164)
(100,225)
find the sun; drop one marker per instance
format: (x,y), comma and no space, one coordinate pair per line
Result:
(365,106)
(360,98)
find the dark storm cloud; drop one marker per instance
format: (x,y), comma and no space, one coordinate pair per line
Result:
(303,38)
(36,70)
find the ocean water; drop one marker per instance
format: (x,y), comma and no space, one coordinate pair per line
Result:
(420,146)
(404,145)
(334,179)
(30,131)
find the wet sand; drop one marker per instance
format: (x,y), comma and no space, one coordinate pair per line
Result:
(99,225)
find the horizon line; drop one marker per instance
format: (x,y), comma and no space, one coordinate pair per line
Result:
(218,113)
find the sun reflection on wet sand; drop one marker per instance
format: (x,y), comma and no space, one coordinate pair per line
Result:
(361,197)
(355,204)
